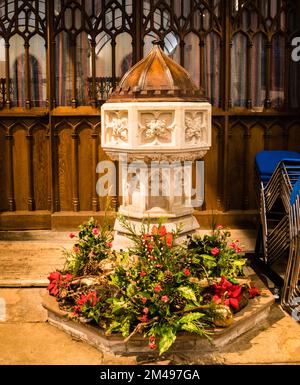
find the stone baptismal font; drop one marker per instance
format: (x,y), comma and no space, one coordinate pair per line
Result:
(155,125)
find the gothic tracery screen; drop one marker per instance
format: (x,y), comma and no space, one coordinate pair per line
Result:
(93,41)
(23,27)
(245,44)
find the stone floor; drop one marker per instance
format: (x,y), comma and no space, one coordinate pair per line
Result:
(27,257)
(26,337)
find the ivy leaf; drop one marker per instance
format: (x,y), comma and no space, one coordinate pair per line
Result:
(195,328)
(113,327)
(125,327)
(187,293)
(190,317)
(130,290)
(190,327)
(167,339)
(208,257)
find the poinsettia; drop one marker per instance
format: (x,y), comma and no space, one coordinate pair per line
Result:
(253,292)
(57,281)
(231,294)
(228,293)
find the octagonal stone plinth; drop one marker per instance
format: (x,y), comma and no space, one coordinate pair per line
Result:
(253,314)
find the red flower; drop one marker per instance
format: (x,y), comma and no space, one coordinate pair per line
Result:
(169,239)
(157,288)
(68,277)
(144,318)
(152,339)
(92,297)
(233,302)
(165,298)
(54,276)
(147,237)
(144,300)
(143,274)
(72,235)
(253,292)
(145,310)
(216,299)
(109,244)
(235,246)
(220,227)
(215,251)
(229,292)
(95,231)
(152,345)
(55,280)
(159,266)
(162,231)
(186,272)
(150,247)
(151,258)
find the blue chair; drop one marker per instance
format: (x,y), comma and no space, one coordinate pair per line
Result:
(276,174)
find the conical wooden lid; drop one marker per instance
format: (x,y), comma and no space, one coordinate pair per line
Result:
(157,78)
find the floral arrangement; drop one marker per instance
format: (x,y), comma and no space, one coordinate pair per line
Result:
(157,287)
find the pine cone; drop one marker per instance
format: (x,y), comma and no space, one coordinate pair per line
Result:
(179,302)
(168,276)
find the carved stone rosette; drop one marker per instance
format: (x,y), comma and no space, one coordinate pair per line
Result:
(171,135)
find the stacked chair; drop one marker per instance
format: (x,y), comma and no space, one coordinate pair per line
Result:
(277,178)
(291,287)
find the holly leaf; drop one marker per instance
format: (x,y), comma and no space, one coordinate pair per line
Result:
(167,339)
(187,293)
(190,317)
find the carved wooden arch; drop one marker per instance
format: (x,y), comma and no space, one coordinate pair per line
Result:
(241,32)
(87,24)
(82,125)
(248,6)
(62,125)
(2,126)
(37,125)
(219,126)
(16,125)
(277,122)
(181,30)
(238,123)
(39,22)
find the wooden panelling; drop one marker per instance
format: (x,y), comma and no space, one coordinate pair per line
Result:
(294,136)
(236,163)
(276,136)
(64,168)
(3,174)
(49,154)
(256,144)
(40,167)
(212,171)
(86,170)
(20,167)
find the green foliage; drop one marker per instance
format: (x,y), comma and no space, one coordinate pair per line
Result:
(155,287)
(214,256)
(93,244)
(168,337)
